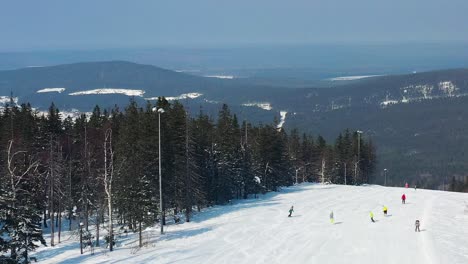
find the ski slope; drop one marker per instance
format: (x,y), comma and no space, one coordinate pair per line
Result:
(259,231)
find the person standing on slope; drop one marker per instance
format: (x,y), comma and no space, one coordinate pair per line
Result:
(403,199)
(385,209)
(372,217)
(332,219)
(406,185)
(416,224)
(291,211)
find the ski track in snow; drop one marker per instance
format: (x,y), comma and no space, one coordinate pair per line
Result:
(259,231)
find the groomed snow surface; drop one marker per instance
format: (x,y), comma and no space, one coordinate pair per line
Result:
(259,231)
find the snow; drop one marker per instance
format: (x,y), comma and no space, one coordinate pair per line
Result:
(259,231)
(221,76)
(262,105)
(211,101)
(180,97)
(7,99)
(49,90)
(73,113)
(283,118)
(448,88)
(389,102)
(352,78)
(129,92)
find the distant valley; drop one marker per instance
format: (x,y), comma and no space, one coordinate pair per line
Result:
(412,118)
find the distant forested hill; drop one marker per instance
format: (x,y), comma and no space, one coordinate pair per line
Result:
(417,121)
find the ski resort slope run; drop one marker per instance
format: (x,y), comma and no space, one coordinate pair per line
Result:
(259,231)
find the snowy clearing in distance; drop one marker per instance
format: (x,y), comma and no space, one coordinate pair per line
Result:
(7,99)
(262,105)
(129,92)
(259,231)
(64,114)
(283,118)
(180,97)
(50,90)
(230,77)
(352,78)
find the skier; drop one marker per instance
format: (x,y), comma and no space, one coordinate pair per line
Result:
(372,217)
(403,198)
(291,211)
(417,226)
(385,209)
(406,185)
(415,187)
(332,220)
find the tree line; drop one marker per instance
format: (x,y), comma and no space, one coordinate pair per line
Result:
(103,169)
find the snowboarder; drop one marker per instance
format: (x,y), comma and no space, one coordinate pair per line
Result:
(332,219)
(403,199)
(372,217)
(291,211)
(415,187)
(417,226)
(385,209)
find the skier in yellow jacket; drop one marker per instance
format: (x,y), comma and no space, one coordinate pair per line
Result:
(372,217)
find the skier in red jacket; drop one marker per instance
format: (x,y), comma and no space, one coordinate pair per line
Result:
(403,198)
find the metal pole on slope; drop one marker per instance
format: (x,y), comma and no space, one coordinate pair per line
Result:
(296,173)
(359,132)
(160,111)
(345,173)
(385,175)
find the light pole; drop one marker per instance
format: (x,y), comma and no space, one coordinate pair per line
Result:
(356,173)
(345,173)
(160,111)
(81,237)
(296,173)
(385,175)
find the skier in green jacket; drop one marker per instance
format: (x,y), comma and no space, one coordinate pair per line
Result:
(291,211)
(372,217)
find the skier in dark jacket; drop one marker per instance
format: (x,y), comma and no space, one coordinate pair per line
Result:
(416,224)
(291,211)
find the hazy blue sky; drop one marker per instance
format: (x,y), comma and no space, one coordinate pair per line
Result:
(51,24)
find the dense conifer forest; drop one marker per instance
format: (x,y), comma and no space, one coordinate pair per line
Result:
(104,168)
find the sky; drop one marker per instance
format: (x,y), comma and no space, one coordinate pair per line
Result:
(89,24)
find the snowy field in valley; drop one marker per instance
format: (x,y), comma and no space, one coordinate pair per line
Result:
(259,231)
